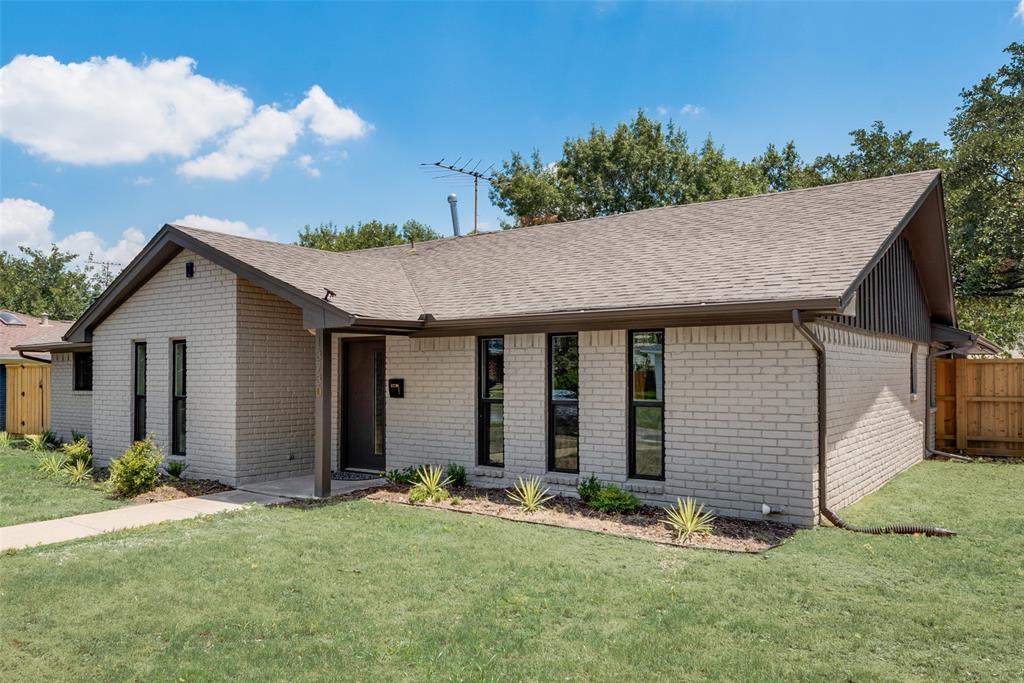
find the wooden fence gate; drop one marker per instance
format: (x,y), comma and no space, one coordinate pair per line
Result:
(980,406)
(28,399)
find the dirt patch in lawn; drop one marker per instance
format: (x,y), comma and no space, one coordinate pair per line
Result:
(735,535)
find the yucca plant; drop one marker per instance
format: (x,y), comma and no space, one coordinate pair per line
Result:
(6,440)
(687,519)
(77,472)
(529,494)
(37,443)
(52,465)
(431,484)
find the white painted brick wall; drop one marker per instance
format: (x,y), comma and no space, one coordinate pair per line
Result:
(201,310)
(875,429)
(602,405)
(525,405)
(435,422)
(275,388)
(70,410)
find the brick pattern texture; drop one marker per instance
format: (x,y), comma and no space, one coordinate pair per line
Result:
(875,425)
(70,410)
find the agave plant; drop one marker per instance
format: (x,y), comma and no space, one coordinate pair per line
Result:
(430,483)
(52,465)
(687,519)
(77,472)
(529,494)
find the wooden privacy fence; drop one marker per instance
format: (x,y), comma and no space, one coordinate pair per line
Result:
(980,406)
(28,399)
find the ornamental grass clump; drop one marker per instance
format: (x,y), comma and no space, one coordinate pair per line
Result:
(687,520)
(51,465)
(136,471)
(6,440)
(529,494)
(77,472)
(429,484)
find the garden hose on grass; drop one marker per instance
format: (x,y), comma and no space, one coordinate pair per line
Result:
(909,529)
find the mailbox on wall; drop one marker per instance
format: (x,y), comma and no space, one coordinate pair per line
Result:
(396,388)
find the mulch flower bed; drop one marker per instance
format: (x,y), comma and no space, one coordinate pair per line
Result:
(183,488)
(735,535)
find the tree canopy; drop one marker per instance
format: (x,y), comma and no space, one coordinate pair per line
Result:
(41,282)
(330,237)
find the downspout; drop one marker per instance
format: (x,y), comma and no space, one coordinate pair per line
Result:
(929,451)
(831,516)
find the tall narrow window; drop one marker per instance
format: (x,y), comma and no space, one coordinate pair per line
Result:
(491,414)
(647,404)
(563,403)
(83,370)
(139,382)
(178,388)
(913,368)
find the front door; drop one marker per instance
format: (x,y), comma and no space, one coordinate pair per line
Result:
(363,405)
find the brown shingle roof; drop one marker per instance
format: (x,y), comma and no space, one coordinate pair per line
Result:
(33,330)
(801,245)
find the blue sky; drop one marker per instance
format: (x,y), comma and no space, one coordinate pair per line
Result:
(241,142)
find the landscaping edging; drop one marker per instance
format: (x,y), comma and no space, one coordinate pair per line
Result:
(731,535)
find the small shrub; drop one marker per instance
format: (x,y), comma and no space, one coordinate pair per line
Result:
(686,519)
(37,443)
(78,436)
(615,500)
(6,440)
(455,500)
(529,494)
(588,489)
(430,484)
(51,465)
(174,469)
(456,474)
(78,451)
(406,476)
(136,472)
(77,472)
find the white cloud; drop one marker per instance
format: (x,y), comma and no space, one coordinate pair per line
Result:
(240,228)
(270,133)
(108,110)
(142,181)
(1019,14)
(691,110)
(305,162)
(265,138)
(24,222)
(662,110)
(86,243)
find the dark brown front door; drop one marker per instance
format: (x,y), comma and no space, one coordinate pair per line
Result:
(363,406)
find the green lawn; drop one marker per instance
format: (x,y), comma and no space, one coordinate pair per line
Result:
(25,497)
(368,591)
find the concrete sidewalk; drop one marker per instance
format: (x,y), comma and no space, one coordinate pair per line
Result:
(81,526)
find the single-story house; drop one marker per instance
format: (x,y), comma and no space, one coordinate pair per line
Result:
(25,377)
(766,355)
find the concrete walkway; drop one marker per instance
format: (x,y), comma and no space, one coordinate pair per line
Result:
(301,487)
(81,526)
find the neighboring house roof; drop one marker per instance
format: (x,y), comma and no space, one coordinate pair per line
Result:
(805,249)
(30,329)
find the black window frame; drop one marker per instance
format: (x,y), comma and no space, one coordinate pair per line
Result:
(139,400)
(179,404)
(484,403)
(632,404)
(81,370)
(913,369)
(553,402)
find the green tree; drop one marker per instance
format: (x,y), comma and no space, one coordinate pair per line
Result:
(329,237)
(639,165)
(39,282)
(877,153)
(985,184)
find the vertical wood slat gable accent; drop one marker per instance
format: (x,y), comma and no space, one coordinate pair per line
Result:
(891,300)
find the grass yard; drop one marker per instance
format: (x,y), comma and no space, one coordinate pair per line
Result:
(26,497)
(364,591)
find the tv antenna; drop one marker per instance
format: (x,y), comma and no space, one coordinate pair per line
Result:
(459,171)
